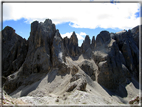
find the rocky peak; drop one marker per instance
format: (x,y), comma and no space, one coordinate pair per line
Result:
(135,34)
(14,50)
(9,31)
(57,34)
(87,39)
(48,26)
(34,26)
(85,44)
(74,39)
(58,55)
(48,22)
(102,38)
(47,64)
(93,44)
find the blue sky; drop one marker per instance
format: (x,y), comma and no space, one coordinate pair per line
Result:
(84,19)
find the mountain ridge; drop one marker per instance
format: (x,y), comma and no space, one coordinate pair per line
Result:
(48,60)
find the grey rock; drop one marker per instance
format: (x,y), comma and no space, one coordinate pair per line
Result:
(58,52)
(74,70)
(86,44)
(40,41)
(129,48)
(14,51)
(102,38)
(111,66)
(39,55)
(71,45)
(99,56)
(66,42)
(77,82)
(135,34)
(93,44)
(90,68)
(111,60)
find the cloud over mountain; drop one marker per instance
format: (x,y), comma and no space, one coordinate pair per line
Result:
(81,15)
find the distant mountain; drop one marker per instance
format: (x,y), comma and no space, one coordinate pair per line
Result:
(104,70)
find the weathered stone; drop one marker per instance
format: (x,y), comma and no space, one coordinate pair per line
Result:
(90,68)
(128,47)
(74,70)
(102,38)
(72,45)
(111,68)
(66,42)
(99,56)
(86,44)
(77,82)
(39,57)
(58,52)
(135,34)
(14,51)
(115,58)
(93,44)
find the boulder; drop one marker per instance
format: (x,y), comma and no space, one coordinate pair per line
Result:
(77,82)
(90,68)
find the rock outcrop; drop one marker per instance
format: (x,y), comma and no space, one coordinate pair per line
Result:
(58,51)
(102,39)
(112,60)
(93,44)
(71,45)
(85,44)
(14,51)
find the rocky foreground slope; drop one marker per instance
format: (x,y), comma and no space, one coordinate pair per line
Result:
(49,69)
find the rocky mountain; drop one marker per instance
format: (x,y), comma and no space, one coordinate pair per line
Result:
(105,69)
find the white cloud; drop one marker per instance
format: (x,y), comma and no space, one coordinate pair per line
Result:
(82,15)
(79,35)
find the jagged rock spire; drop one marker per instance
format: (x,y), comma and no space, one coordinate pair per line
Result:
(86,43)
(74,39)
(93,44)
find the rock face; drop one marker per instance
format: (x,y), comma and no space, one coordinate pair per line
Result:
(58,52)
(135,34)
(14,51)
(112,70)
(39,56)
(93,45)
(71,45)
(102,39)
(85,44)
(90,68)
(112,59)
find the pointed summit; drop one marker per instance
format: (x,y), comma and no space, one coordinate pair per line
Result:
(74,39)
(93,45)
(57,34)
(85,44)
(48,22)
(87,39)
